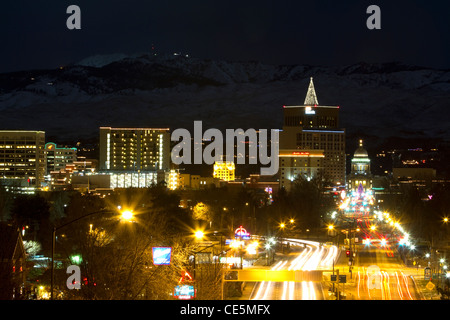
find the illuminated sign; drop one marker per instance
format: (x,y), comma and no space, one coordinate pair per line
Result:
(50,146)
(296,153)
(309,110)
(162,255)
(241,233)
(184,292)
(230,260)
(185,276)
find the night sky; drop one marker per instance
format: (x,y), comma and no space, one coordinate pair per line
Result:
(34,33)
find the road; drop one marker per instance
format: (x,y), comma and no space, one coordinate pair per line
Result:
(380,275)
(377,272)
(305,255)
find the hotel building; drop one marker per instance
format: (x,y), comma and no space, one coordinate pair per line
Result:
(134,149)
(311,138)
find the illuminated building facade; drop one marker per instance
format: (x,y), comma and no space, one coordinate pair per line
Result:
(313,127)
(134,149)
(59,157)
(304,163)
(22,157)
(360,177)
(173,180)
(61,179)
(224,170)
(133,179)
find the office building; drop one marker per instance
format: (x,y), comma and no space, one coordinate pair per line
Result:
(313,128)
(293,162)
(59,157)
(22,158)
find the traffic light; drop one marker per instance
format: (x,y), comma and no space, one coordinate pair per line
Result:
(348,253)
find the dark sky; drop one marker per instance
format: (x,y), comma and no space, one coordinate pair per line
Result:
(317,32)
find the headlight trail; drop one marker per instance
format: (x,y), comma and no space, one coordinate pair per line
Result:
(310,258)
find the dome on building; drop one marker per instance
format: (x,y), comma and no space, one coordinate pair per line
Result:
(361,152)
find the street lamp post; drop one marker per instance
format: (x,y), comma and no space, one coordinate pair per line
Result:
(126,215)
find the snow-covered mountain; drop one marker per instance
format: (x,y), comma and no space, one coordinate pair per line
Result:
(381,100)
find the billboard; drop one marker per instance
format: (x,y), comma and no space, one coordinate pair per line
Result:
(162,255)
(184,292)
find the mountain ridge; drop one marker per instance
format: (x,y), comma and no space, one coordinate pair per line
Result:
(384,100)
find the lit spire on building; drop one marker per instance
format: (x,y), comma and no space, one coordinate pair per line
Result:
(311,97)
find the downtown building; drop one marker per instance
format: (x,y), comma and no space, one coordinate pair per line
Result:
(360,178)
(22,159)
(312,145)
(134,157)
(59,157)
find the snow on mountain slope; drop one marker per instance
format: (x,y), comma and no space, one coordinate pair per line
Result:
(173,91)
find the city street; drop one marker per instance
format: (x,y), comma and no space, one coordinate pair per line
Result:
(306,256)
(379,276)
(375,276)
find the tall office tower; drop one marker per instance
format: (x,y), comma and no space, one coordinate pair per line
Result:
(311,142)
(22,157)
(134,149)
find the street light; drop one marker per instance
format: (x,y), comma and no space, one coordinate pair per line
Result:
(123,213)
(199,234)
(127,215)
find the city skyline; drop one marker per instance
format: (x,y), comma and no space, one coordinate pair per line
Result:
(239,150)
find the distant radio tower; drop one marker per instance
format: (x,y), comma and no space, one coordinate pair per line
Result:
(153,51)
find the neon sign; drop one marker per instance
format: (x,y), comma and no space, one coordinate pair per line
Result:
(300,153)
(241,233)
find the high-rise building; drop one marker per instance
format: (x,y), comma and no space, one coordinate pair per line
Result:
(134,149)
(312,129)
(22,157)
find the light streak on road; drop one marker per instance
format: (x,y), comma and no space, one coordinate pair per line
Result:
(305,291)
(405,280)
(358,286)
(386,286)
(264,287)
(383,285)
(313,257)
(399,288)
